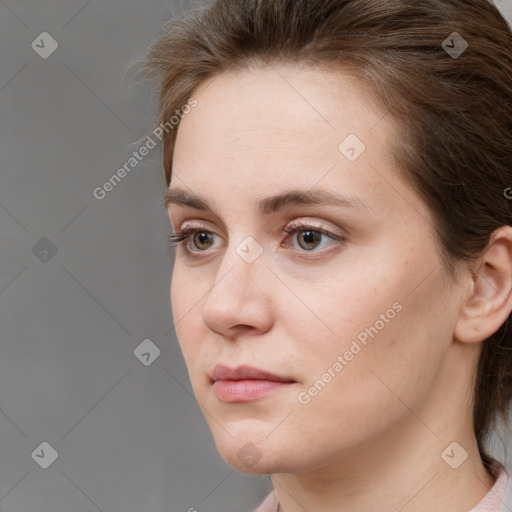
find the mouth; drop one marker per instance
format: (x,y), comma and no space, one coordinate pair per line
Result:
(245,383)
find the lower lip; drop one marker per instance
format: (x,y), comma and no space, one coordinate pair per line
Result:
(245,390)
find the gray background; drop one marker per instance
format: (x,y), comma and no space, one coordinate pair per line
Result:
(129,437)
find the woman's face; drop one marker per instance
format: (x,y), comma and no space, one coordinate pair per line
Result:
(359,321)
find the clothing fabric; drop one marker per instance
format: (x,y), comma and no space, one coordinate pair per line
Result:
(498,499)
(269,504)
(494,500)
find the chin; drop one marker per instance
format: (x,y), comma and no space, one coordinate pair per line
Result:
(251,452)
(250,459)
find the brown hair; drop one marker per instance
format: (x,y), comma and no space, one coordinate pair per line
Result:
(454,111)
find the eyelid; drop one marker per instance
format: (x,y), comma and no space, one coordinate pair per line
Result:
(299,225)
(190,224)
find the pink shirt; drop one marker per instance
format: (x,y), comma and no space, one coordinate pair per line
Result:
(491,502)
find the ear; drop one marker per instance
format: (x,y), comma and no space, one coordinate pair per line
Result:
(488,301)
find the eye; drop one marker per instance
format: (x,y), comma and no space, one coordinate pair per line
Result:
(310,237)
(201,241)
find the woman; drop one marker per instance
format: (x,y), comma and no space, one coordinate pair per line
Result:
(340,193)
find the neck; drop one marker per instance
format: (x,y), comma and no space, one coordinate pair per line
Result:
(391,477)
(412,465)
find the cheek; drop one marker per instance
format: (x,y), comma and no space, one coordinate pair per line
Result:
(351,306)
(393,318)
(396,366)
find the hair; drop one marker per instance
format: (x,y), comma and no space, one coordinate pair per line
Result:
(454,113)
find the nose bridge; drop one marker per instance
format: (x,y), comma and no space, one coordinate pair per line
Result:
(242,261)
(232,298)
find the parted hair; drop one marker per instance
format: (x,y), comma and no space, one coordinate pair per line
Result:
(453,110)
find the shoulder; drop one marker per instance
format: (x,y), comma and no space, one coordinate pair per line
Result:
(269,504)
(506,485)
(500,496)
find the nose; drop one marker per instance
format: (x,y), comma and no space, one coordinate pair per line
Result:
(240,299)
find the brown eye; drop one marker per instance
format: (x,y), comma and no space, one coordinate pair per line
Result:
(309,239)
(202,238)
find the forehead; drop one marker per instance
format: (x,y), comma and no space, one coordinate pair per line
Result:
(289,113)
(266,130)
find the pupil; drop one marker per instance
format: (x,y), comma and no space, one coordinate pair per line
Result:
(203,237)
(310,237)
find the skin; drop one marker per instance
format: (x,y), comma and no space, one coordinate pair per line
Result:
(374,435)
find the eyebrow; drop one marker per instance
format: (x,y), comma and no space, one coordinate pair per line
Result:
(272,204)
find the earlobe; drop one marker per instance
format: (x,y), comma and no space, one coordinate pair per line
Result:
(488,301)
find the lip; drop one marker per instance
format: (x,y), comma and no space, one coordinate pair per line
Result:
(244,372)
(245,383)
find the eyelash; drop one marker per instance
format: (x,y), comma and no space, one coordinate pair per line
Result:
(183,235)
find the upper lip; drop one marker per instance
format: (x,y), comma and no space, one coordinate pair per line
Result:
(223,372)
